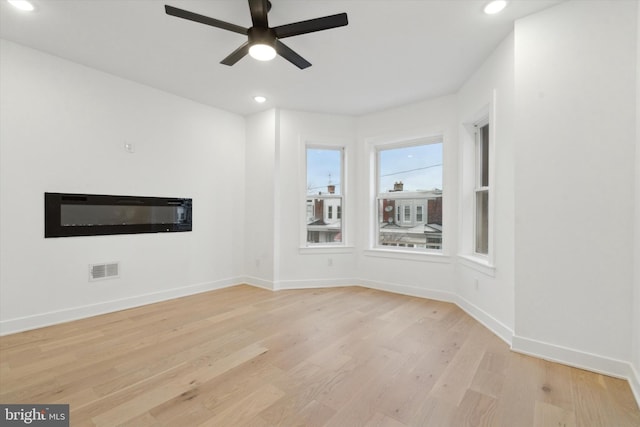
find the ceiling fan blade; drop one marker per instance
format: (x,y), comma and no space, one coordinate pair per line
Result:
(288,54)
(311,25)
(185,14)
(259,9)
(236,55)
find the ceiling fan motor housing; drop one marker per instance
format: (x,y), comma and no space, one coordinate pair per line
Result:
(262,36)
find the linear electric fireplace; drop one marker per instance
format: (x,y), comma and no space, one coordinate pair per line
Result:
(67,215)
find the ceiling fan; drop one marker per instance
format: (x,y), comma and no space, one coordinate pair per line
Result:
(263,41)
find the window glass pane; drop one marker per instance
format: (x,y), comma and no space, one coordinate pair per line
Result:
(482,222)
(484,156)
(416,168)
(323,226)
(324,196)
(324,171)
(407,220)
(425,234)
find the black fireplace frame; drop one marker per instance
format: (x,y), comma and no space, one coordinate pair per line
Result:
(53,226)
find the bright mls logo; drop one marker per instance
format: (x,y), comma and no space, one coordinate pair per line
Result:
(34,415)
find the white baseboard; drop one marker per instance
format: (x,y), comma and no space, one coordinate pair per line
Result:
(634,382)
(315,284)
(576,358)
(407,290)
(501,330)
(258,283)
(20,324)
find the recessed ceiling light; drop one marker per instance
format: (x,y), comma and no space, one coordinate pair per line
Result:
(495,7)
(259,99)
(21,4)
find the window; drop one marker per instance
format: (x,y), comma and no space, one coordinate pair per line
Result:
(409,195)
(481,238)
(324,198)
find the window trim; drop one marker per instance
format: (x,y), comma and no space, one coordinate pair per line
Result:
(406,218)
(341,146)
(467,255)
(376,146)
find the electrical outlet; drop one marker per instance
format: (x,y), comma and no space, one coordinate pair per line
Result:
(477,284)
(330,262)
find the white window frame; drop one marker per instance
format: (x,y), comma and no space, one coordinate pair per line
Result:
(378,195)
(304,244)
(406,215)
(420,215)
(469,178)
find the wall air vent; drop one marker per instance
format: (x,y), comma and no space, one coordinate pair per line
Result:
(104,271)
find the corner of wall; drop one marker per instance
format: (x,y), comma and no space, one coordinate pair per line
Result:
(635,381)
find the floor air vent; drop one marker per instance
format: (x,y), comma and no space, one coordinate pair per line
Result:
(104,271)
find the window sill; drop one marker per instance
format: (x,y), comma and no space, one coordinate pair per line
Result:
(308,250)
(408,255)
(479,264)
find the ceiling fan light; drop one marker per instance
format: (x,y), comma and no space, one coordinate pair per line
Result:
(495,6)
(262,52)
(22,5)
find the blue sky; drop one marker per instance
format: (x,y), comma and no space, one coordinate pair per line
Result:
(322,166)
(418,167)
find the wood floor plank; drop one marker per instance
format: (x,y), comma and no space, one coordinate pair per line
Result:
(148,399)
(475,409)
(457,378)
(516,403)
(345,356)
(550,415)
(247,407)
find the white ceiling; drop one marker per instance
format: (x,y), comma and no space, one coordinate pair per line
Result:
(392,52)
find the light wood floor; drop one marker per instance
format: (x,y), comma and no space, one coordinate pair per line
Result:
(332,357)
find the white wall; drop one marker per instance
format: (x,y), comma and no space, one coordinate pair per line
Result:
(567,149)
(63,130)
(574,175)
(490,90)
(260,202)
(311,267)
(636,260)
(428,276)
(275,200)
